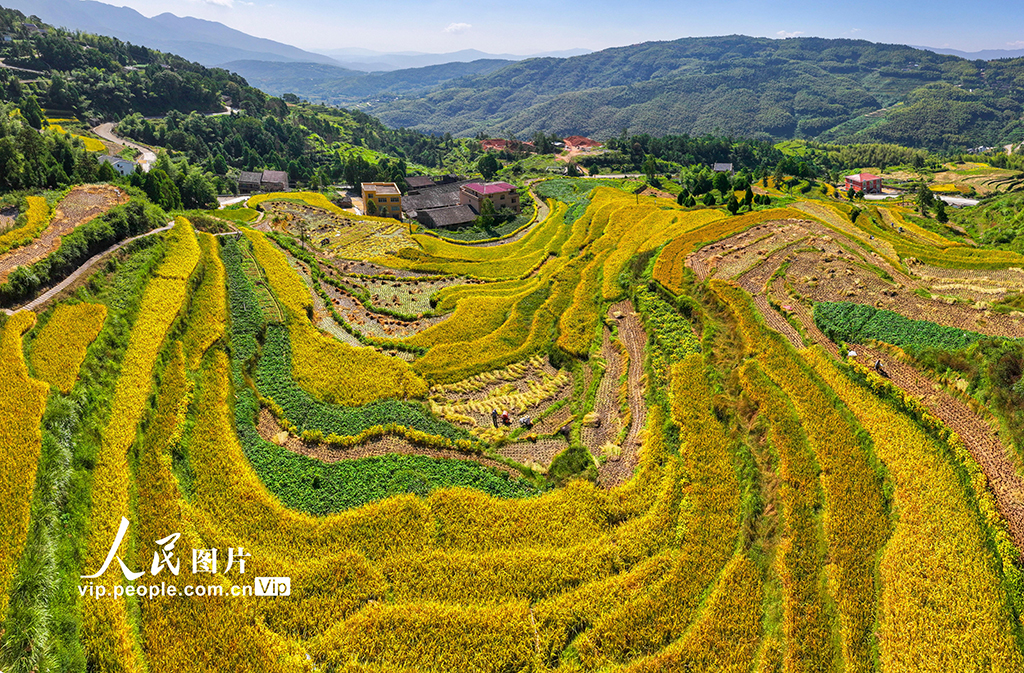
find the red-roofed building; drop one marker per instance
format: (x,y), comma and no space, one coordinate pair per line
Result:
(864,182)
(580,143)
(501,194)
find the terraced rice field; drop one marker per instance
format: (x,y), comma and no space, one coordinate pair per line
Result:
(706,481)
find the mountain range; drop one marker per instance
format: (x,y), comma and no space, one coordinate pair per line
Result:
(832,90)
(206,42)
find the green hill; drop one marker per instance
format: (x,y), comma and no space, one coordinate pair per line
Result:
(836,90)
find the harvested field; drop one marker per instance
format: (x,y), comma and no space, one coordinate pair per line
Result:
(606,406)
(634,338)
(533,454)
(81,205)
(335,235)
(524,389)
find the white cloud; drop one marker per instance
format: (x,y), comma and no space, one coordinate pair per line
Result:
(855,30)
(1016,45)
(787,33)
(456,28)
(219,3)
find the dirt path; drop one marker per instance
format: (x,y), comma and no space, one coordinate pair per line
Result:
(106,131)
(79,272)
(80,206)
(268,428)
(634,338)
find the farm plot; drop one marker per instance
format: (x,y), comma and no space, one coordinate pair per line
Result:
(526,388)
(731,257)
(81,205)
(336,235)
(376,325)
(408,297)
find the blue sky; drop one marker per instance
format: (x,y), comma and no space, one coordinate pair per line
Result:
(531,26)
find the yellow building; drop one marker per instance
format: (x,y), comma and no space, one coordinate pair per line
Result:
(385,196)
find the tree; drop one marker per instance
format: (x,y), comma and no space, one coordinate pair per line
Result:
(197,192)
(681,199)
(925,198)
(106,172)
(721,182)
(748,197)
(488,165)
(940,211)
(32,113)
(709,199)
(650,167)
(732,204)
(161,190)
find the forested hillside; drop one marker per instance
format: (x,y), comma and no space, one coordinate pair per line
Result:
(95,76)
(800,87)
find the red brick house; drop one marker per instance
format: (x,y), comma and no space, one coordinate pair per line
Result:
(864,182)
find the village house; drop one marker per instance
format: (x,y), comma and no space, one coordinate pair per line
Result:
(722,168)
(274,181)
(122,166)
(249,182)
(385,197)
(266,181)
(434,201)
(500,194)
(864,182)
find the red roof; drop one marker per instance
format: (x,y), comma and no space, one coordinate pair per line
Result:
(863,177)
(490,187)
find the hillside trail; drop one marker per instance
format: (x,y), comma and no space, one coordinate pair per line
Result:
(53,292)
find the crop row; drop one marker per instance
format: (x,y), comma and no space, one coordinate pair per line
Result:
(59,350)
(209,312)
(22,401)
(806,621)
(705,537)
(330,370)
(725,636)
(857,323)
(856,525)
(106,633)
(942,604)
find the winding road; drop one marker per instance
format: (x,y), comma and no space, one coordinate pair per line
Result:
(106,131)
